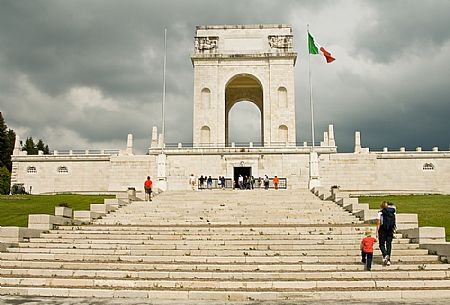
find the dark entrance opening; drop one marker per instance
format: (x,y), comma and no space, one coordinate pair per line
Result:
(243,171)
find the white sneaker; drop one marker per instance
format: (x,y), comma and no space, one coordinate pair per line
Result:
(388,263)
(385,261)
(388,260)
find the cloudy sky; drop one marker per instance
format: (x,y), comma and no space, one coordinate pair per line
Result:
(84,74)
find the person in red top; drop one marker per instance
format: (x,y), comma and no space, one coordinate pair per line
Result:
(275,182)
(367,250)
(148,189)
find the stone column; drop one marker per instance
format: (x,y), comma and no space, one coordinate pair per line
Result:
(325,139)
(129,150)
(154,142)
(357,142)
(161,140)
(331,141)
(314,178)
(16,150)
(161,170)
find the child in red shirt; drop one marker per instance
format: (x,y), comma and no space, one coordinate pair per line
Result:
(367,250)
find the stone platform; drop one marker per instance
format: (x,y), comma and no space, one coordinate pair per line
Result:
(224,246)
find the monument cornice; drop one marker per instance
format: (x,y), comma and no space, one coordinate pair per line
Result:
(243,26)
(245,56)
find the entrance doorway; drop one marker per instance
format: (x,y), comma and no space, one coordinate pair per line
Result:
(243,171)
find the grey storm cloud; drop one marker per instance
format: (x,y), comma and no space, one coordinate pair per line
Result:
(82,74)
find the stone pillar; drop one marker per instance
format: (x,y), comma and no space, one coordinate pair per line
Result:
(154,142)
(161,141)
(325,139)
(161,170)
(16,150)
(129,150)
(331,141)
(357,142)
(314,178)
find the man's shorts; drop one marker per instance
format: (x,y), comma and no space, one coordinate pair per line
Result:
(148,190)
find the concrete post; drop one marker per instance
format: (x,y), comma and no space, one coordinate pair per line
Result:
(325,139)
(162,179)
(16,150)
(161,140)
(357,142)
(154,142)
(130,144)
(331,141)
(314,179)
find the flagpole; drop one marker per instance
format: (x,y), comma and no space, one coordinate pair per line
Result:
(311,104)
(164,88)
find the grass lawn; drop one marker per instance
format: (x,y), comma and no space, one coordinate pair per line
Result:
(433,210)
(14,209)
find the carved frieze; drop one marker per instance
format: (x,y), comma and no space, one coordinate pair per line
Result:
(206,44)
(281,41)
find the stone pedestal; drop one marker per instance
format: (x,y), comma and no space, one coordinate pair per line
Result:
(314,178)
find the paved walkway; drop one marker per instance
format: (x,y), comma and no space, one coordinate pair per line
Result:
(18,300)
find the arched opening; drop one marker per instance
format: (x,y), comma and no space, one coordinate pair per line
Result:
(244,123)
(282,134)
(206,98)
(205,136)
(243,87)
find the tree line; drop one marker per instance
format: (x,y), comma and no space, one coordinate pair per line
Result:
(7,141)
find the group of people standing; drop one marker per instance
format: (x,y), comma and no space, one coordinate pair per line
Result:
(242,182)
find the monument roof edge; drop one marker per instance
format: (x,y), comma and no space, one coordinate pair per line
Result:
(242,26)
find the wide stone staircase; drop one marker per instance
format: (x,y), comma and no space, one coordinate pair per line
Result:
(220,245)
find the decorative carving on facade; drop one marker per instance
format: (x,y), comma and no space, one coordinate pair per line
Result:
(281,41)
(205,44)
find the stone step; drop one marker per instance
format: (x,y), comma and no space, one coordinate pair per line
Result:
(249,220)
(226,295)
(219,245)
(250,275)
(175,229)
(215,252)
(210,246)
(70,234)
(231,285)
(191,258)
(211,267)
(224,237)
(210,241)
(357,231)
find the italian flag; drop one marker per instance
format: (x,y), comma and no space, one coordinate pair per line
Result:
(313,49)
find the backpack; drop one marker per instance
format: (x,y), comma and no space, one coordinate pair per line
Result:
(388,219)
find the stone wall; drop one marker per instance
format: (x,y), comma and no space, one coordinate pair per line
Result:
(47,174)
(388,172)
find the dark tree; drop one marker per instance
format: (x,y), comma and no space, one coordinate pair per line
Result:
(30,147)
(5,180)
(12,141)
(40,145)
(5,156)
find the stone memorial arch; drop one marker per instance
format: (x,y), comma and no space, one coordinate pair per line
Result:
(244,63)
